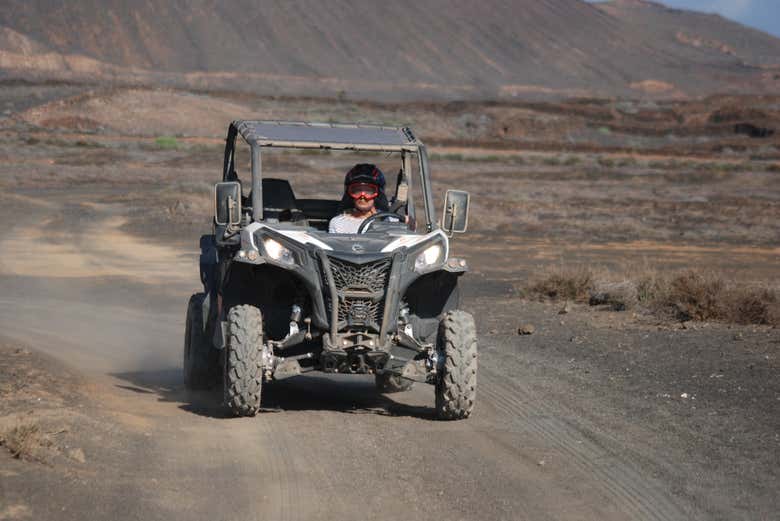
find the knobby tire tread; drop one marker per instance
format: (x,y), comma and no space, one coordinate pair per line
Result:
(456,386)
(244,360)
(200,358)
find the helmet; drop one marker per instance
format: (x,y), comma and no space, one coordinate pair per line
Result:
(365,174)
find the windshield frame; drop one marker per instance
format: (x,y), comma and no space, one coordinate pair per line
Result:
(407,151)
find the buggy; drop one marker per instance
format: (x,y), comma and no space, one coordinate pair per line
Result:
(282,296)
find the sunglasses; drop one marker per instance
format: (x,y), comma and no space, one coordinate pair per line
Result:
(365,190)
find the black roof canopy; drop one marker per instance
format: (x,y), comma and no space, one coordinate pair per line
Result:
(292,134)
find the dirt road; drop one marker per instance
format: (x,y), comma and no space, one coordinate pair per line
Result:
(333,446)
(540,445)
(584,419)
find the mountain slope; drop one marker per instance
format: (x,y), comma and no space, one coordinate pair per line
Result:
(429,48)
(677,29)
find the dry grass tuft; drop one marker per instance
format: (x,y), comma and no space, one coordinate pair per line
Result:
(650,287)
(693,296)
(706,296)
(618,296)
(754,306)
(23,441)
(686,295)
(564,284)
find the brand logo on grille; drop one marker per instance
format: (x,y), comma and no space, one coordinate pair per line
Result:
(358,248)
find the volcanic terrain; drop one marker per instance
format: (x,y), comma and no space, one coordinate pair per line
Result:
(431,49)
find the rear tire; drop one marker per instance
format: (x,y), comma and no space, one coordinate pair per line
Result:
(200,358)
(244,360)
(456,383)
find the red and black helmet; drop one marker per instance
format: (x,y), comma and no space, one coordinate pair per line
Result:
(361,180)
(365,173)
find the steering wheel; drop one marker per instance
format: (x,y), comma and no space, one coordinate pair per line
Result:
(366,224)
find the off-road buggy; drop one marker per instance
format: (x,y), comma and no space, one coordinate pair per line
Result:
(282,296)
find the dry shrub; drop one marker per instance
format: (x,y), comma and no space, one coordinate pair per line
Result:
(23,441)
(695,296)
(687,295)
(753,306)
(650,287)
(618,296)
(706,296)
(564,284)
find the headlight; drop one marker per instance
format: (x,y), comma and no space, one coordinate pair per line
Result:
(430,256)
(278,252)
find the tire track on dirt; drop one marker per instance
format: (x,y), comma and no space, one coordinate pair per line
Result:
(634,494)
(256,444)
(284,468)
(227,468)
(627,497)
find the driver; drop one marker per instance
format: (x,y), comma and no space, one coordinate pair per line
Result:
(364,195)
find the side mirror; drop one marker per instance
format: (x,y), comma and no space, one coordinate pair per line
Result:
(227,203)
(456,211)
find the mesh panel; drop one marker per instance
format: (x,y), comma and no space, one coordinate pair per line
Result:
(361,311)
(355,277)
(370,278)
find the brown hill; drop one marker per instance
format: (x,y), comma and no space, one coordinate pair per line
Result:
(709,36)
(400,49)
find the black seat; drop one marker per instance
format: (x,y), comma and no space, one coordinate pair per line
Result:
(279,201)
(319,212)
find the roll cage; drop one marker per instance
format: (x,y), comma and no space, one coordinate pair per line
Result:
(260,134)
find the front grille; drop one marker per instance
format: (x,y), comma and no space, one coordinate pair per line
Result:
(360,311)
(370,277)
(361,292)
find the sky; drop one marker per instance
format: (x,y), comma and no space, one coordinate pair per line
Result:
(761,14)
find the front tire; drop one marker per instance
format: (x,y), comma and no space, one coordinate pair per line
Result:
(456,383)
(244,360)
(200,359)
